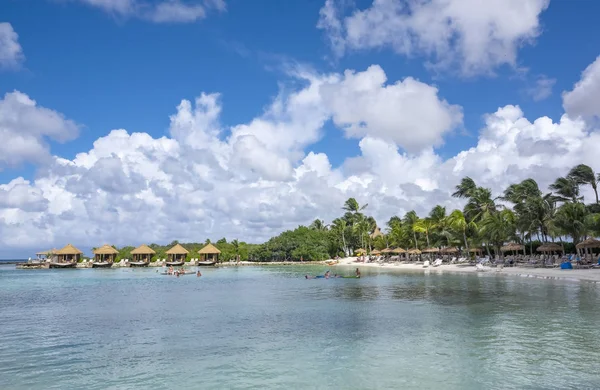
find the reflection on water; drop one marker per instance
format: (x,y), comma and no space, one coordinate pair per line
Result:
(272,328)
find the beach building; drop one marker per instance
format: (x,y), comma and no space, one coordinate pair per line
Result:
(104,257)
(209,255)
(177,255)
(142,255)
(66,257)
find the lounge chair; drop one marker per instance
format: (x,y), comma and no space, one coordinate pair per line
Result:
(426,264)
(437,263)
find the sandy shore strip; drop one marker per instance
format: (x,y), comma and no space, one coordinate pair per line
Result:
(587,275)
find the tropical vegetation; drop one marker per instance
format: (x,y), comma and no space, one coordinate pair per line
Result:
(523,213)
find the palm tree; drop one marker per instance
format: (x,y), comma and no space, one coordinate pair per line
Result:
(352,206)
(465,189)
(584,175)
(498,227)
(409,221)
(566,189)
(424,225)
(479,204)
(339,226)
(318,224)
(571,220)
(457,221)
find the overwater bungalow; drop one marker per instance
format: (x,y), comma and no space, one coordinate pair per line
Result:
(177,255)
(66,257)
(210,255)
(142,255)
(104,257)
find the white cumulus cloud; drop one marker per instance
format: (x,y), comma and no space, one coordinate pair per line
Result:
(583,99)
(477,36)
(11,53)
(25,127)
(253,180)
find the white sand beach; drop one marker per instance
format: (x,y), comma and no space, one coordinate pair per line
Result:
(588,275)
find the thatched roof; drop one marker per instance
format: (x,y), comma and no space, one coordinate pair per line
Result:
(376,233)
(431,250)
(360,250)
(375,252)
(398,250)
(177,250)
(589,243)
(143,250)
(69,250)
(414,252)
(106,250)
(387,250)
(450,249)
(550,247)
(209,249)
(512,247)
(48,252)
(476,250)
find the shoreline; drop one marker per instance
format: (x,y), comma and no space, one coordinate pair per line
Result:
(572,275)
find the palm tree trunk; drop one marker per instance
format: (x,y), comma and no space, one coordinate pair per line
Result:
(595,192)
(427,236)
(466,243)
(415,237)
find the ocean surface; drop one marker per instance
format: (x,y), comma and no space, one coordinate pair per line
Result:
(270,328)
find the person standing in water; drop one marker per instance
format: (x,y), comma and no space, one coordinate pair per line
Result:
(357,272)
(198,274)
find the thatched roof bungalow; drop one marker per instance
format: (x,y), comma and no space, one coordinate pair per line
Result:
(105,256)
(142,255)
(210,253)
(66,257)
(177,255)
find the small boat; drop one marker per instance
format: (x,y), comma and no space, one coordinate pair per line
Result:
(102,264)
(206,263)
(139,263)
(175,263)
(55,264)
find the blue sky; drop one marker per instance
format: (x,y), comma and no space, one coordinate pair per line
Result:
(110,70)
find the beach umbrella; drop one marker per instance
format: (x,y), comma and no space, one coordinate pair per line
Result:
(451,249)
(512,247)
(550,247)
(387,250)
(476,250)
(414,252)
(375,252)
(431,250)
(589,243)
(398,250)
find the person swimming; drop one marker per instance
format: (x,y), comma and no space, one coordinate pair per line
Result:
(326,274)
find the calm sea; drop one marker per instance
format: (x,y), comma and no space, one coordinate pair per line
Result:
(259,328)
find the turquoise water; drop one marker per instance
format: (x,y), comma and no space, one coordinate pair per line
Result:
(270,328)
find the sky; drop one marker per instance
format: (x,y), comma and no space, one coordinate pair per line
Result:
(141,121)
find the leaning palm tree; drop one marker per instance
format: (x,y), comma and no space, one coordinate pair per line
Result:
(584,175)
(465,188)
(566,189)
(352,206)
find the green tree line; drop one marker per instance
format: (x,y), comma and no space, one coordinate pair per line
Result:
(523,213)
